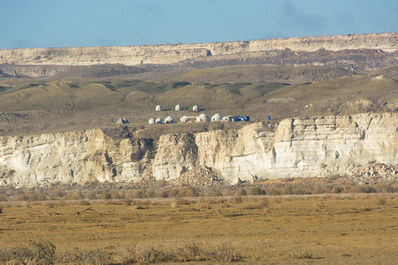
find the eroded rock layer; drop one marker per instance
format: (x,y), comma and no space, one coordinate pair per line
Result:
(170,54)
(296,147)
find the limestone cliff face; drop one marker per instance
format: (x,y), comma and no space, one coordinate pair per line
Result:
(72,157)
(302,147)
(169,54)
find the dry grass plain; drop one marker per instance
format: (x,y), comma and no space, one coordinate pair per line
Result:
(325,229)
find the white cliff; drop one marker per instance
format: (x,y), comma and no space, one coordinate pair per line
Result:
(299,147)
(72,157)
(175,53)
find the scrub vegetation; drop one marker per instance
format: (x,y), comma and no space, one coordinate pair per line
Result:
(336,229)
(217,224)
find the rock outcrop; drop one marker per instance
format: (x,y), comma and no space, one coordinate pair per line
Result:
(296,147)
(175,53)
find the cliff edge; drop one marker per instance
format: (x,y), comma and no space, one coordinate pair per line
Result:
(296,147)
(175,53)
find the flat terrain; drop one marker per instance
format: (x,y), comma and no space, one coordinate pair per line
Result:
(327,229)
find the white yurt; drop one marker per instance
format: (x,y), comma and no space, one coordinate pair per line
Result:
(151,121)
(178,107)
(169,119)
(184,119)
(216,117)
(228,118)
(202,117)
(158,108)
(158,121)
(195,108)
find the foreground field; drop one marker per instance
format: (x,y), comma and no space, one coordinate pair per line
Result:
(327,229)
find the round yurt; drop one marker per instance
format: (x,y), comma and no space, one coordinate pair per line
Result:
(158,121)
(169,119)
(202,117)
(195,108)
(178,107)
(184,119)
(158,108)
(216,117)
(151,121)
(227,119)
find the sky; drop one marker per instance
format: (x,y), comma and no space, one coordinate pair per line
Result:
(77,23)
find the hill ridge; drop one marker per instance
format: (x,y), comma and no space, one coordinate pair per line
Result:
(177,53)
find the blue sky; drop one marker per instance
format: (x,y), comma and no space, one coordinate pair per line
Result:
(74,23)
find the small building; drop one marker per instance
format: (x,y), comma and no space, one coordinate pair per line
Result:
(151,121)
(202,118)
(158,121)
(235,118)
(178,107)
(241,118)
(121,121)
(246,118)
(169,119)
(158,108)
(195,108)
(216,117)
(188,118)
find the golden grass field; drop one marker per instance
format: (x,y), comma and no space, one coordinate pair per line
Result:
(327,229)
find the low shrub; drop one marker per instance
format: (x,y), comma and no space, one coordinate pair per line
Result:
(382,201)
(177,202)
(188,252)
(256,191)
(188,192)
(213,193)
(301,254)
(264,204)
(146,254)
(41,253)
(78,256)
(225,253)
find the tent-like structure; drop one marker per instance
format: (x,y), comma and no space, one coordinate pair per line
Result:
(216,117)
(195,108)
(121,121)
(151,121)
(169,119)
(184,119)
(158,121)
(203,118)
(228,118)
(158,108)
(178,107)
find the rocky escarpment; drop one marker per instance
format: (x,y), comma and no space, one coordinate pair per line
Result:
(297,147)
(171,54)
